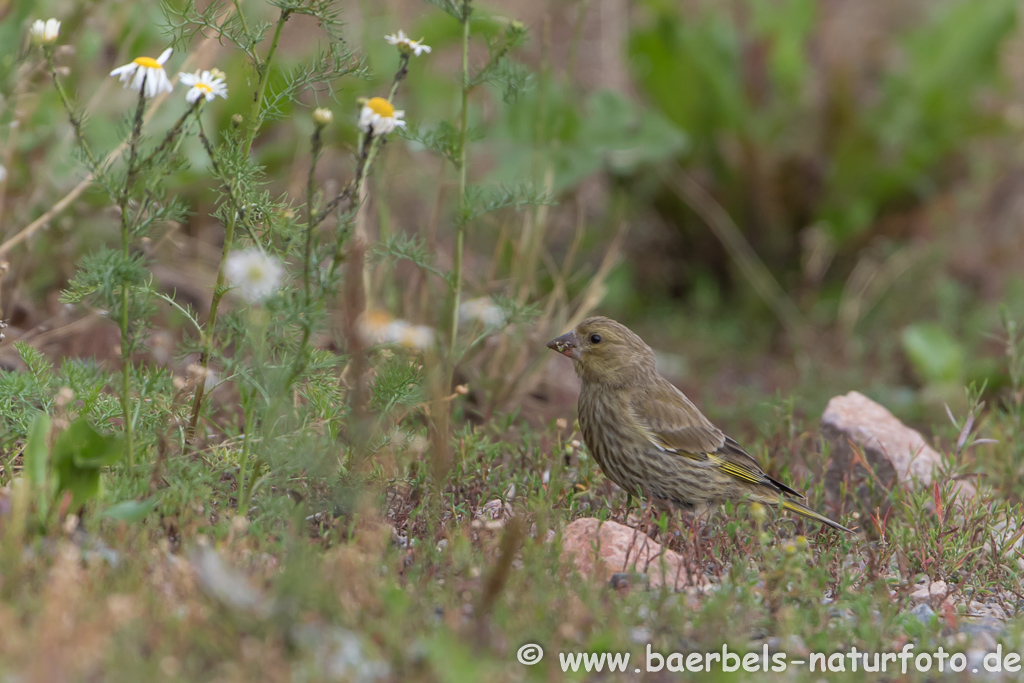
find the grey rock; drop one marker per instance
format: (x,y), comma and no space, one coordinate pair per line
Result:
(339,655)
(640,635)
(227,585)
(989,625)
(924,613)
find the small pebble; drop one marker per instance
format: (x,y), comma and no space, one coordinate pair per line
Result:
(924,613)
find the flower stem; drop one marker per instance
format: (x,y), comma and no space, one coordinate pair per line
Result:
(354,289)
(261,87)
(76,122)
(126,236)
(403,71)
(316,145)
(172,134)
(316,148)
(244,489)
(255,119)
(218,294)
(460,235)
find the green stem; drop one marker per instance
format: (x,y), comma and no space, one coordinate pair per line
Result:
(316,147)
(211,323)
(76,122)
(241,19)
(218,294)
(126,366)
(243,466)
(316,144)
(172,134)
(350,192)
(126,345)
(261,87)
(403,70)
(365,155)
(460,235)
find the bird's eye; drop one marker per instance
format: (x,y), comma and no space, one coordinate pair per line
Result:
(595,339)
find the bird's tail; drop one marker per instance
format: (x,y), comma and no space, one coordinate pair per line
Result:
(803,510)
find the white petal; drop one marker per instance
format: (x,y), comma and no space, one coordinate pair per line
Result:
(121,70)
(164,56)
(163,83)
(136,83)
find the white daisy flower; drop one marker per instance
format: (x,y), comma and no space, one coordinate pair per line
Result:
(379,327)
(482,310)
(146,69)
(418,337)
(253,273)
(208,84)
(408,46)
(375,326)
(379,117)
(44,32)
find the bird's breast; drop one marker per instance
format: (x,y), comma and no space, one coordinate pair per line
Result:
(611,436)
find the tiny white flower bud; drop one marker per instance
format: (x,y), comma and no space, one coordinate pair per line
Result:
(322,117)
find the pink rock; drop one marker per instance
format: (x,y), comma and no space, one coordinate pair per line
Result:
(600,550)
(897,454)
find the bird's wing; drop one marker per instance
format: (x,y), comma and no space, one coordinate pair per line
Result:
(751,471)
(673,424)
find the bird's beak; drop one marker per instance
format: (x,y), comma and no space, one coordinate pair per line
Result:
(568,345)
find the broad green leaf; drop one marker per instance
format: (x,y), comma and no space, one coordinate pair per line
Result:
(936,356)
(608,133)
(37,452)
(130,511)
(78,455)
(85,447)
(83,483)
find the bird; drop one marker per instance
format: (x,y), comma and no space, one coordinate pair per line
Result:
(650,439)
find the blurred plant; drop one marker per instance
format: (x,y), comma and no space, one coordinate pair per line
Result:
(1008,413)
(118,280)
(72,465)
(782,160)
(936,357)
(294,386)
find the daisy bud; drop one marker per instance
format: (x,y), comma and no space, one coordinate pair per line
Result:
(322,117)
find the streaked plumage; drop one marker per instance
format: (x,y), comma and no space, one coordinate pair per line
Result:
(649,438)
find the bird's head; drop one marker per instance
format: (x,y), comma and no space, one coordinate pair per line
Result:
(605,351)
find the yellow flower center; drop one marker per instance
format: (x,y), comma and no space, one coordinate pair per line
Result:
(203,87)
(381,107)
(376,320)
(147,62)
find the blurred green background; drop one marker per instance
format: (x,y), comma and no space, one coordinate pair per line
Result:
(817,195)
